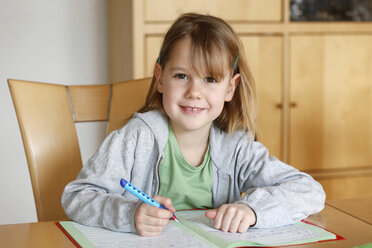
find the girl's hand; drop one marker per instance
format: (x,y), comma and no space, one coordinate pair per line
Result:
(232,217)
(150,220)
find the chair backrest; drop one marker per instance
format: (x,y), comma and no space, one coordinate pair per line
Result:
(47,114)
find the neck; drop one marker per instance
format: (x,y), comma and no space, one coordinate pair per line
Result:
(192,138)
(193,144)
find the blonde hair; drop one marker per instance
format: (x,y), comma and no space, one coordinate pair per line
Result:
(208,35)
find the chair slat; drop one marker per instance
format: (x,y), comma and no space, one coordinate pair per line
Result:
(90,102)
(127,98)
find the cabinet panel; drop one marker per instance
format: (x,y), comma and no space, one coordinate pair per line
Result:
(152,49)
(331,84)
(232,10)
(264,55)
(347,187)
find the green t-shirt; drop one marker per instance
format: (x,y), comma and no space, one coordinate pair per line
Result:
(189,187)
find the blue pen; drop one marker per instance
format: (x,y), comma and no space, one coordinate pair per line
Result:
(143,197)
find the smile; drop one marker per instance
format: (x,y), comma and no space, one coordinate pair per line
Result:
(191,109)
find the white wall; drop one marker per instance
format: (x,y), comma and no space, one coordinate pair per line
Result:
(58,41)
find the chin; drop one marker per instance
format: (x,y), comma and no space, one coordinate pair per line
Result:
(195,127)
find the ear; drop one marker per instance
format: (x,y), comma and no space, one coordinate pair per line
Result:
(233,83)
(158,74)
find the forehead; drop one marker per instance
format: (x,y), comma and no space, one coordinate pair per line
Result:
(200,60)
(180,53)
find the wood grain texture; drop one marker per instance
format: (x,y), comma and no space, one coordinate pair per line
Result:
(233,10)
(90,102)
(360,208)
(50,142)
(127,98)
(331,76)
(45,117)
(264,56)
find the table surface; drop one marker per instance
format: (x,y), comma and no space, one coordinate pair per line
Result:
(359,208)
(47,234)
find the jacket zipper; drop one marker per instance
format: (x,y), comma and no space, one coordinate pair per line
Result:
(229,194)
(157,176)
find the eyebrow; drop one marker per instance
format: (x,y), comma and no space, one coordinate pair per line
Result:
(178,69)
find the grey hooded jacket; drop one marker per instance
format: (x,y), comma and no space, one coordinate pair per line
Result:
(278,193)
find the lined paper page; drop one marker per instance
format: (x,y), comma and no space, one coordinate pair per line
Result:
(290,234)
(98,237)
(193,230)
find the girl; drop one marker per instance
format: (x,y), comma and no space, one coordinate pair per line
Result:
(192,146)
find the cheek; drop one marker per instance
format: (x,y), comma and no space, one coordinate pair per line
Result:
(220,106)
(217,102)
(170,96)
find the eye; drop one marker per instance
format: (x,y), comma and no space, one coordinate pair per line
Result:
(180,76)
(210,80)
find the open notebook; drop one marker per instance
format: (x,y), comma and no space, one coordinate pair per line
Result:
(197,231)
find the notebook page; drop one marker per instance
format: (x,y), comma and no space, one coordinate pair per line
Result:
(98,237)
(285,235)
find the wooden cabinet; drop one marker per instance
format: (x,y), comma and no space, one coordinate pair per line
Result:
(331,123)
(314,80)
(264,53)
(331,86)
(232,10)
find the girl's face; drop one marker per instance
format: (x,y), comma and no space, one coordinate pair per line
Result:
(192,101)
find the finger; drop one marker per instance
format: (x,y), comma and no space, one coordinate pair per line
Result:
(158,213)
(150,228)
(149,231)
(227,218)
(248,220)
(219,216)
(155,221)
(211,214)
(149,234)
(166,202)
(147,225)
(235,223)
(147,214)
(244,225)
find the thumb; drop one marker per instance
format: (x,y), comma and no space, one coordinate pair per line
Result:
(211,214)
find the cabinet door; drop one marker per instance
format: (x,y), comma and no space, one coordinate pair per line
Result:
(232,10)
(347,187)
(152,50)
(331,86)
(264,55)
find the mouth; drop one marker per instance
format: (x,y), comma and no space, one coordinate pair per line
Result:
(189,109)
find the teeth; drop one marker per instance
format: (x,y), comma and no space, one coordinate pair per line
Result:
(193,109)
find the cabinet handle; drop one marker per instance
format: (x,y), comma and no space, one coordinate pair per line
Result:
(293,104)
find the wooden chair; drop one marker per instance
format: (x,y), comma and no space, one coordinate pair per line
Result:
(46,115)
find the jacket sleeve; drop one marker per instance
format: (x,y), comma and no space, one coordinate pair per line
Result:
(96,198)
(278,193)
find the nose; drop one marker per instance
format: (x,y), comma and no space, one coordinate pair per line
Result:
(194,90)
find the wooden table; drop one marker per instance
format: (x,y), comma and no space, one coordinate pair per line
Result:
(40,234)
(359,208)
(47,234)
